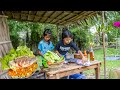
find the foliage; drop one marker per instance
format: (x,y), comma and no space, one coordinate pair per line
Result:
(81,36)
(35,29)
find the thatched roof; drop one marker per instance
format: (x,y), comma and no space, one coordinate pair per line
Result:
(53,17)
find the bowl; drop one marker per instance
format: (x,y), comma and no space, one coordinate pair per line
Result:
(77,56)
(56,65)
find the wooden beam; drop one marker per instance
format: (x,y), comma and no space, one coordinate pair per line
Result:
(56,13)
(16,16)
(34,17)
(47,15)
(24,17)
(42,16)
(77,12)
(85,17)
(80,18)
(73,21)
(27,14)
(53,15)
(43,19)
(24,12)
(48,20)
(32,12)
(4,16)
(28,20)
(7,13)
(61,16)
(40,13)
(67,17)
(56,16)
(30,16)
(77,16)
(5,42)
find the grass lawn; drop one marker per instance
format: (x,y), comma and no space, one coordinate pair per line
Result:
(109,64)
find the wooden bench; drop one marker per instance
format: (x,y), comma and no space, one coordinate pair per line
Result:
(72,68)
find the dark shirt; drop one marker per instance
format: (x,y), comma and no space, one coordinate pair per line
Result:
(63,49)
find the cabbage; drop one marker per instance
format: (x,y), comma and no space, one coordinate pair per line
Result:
(52,57)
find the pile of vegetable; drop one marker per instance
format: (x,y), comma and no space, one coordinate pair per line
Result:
(23,71)
(22,67)
(20,63)
(51,58)
(13,54)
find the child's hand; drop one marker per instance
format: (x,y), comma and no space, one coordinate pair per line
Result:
(59,55)
(84,60)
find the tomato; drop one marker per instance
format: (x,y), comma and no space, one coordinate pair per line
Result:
(49,63)
(19,65)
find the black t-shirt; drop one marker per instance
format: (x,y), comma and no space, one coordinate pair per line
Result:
(63,49)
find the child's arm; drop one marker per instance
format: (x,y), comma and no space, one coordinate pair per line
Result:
(40,48)
(58,53)
(52,46)
(40,53)
(81,54)
(57,48)
(78,51)
(83,57)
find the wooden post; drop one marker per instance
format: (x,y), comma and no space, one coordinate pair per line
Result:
(5,43)
(104,49)
(97,71)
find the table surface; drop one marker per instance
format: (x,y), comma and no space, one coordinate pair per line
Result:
(67,67)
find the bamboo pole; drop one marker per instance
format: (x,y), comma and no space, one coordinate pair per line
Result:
(104,49)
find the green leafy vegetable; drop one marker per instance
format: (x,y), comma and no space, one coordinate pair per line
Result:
(20,51)
(52,57)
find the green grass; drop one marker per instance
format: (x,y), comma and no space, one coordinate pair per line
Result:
(109,64)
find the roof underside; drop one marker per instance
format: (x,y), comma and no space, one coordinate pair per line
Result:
(52,17)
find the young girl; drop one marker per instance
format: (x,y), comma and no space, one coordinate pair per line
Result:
(64,45)
(44,45)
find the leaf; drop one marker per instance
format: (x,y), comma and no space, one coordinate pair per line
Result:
(102,26)
(88,22)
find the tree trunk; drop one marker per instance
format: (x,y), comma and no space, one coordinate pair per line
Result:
(104,49)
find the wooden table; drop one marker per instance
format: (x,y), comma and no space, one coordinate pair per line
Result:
(73,68)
